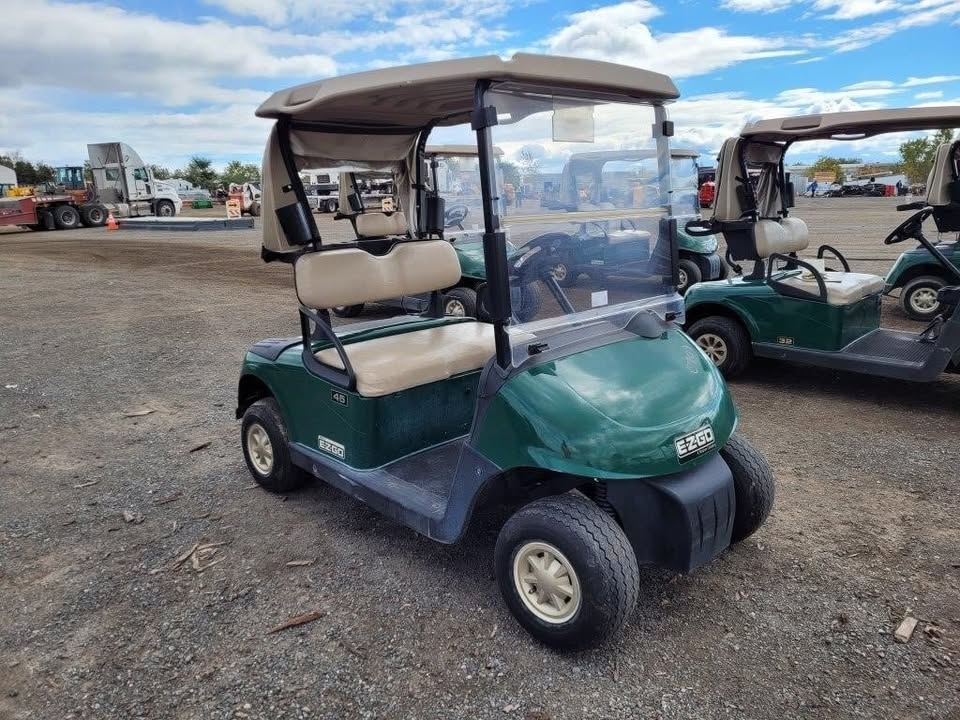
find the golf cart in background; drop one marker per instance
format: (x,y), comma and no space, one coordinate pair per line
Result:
(916,277)
(451,172)
(792,308)
(609,436)
(624,179)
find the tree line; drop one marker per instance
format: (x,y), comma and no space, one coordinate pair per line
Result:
(916,158)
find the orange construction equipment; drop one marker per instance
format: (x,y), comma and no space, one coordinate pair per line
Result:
(112,223)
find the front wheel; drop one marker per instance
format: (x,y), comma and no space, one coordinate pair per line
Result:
(563,272)
(93,215)
(725,341)
(460,302)
(165,208)
(567,571)
(530,302)
(753,486)
(688,274)
(919,297)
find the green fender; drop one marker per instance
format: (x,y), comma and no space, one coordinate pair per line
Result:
(916,262)
(706,245)
(472,264)
(610,412)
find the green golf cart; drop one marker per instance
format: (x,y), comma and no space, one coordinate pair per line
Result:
(793,308)
(598,423)
(624,179)
(916,277)
(451,172)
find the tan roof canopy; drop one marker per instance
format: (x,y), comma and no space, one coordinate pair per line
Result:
(853,125)
(413,96)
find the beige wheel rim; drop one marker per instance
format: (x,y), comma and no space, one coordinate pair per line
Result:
(924,300)
(259,449)
(714,346)
(455,308)
(682,277)
(560,272)
(546,582)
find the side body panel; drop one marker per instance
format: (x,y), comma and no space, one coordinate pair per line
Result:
(776,319)
(917,262)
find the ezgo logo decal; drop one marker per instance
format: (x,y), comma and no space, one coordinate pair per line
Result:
(331,447)
(695,444)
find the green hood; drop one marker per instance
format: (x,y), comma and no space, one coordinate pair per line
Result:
(612,412)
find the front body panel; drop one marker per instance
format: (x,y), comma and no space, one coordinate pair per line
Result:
(917,262)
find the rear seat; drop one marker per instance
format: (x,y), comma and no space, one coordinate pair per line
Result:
(378,224)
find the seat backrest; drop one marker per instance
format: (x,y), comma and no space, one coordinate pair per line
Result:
(350,276)
(784,236)
(727,206)
(378,224)
(942,180)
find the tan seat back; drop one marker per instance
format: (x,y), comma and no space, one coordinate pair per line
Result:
(785,236)
(350,276)
(378,224)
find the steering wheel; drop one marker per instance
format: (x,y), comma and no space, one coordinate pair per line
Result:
(455,215)
(909,229)
(603,230)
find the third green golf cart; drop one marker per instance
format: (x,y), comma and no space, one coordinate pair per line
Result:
(792,308)
(599,423)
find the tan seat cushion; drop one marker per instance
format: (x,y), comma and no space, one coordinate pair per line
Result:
(399,362)
(377,224)
(618,237)
(843,288)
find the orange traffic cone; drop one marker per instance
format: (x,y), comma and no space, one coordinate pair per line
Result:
(112,223)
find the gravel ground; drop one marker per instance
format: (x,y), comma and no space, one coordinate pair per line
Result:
(98,502)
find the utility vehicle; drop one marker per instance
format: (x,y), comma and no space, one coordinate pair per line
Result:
(916,277)
(791,308)
(453,173)
(599,424)
(624,179)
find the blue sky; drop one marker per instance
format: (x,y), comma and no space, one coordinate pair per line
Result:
(183,77)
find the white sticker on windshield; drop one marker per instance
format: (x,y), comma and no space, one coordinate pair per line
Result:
(599,299)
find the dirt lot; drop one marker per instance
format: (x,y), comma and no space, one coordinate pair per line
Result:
(97,622)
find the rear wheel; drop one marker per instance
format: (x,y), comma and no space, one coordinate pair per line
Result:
(567,571)
(93,215)
(725,341)
(531,302)
(460,302)
(263,436)
(919,297)
(66,217)
(753,485)
(348,311)
(688,274)
(330,206)
(255,209)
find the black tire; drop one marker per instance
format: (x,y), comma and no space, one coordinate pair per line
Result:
(531,302)
(460,299)
(564,272)
(330,206)
(917,290)
(66,217)
(689,273)
(602,560)
(255,209)
(733,354)
(283,476)
(165,208)
(348,311)
(93,215)
(753,485)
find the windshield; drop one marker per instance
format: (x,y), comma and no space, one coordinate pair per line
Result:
(456,179)
(598,225)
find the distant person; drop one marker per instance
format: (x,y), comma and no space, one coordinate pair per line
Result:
(873,179)
(510,195)
(899,187)
(812,188)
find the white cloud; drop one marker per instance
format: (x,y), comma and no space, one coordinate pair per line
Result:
(761,6)
(933,80)
(808,60)
(852,9)
(870,85)
(931,95)
(619,33)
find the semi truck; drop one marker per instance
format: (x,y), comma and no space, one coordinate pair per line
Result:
(122,184)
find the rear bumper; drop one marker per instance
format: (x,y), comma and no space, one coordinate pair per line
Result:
(679,521)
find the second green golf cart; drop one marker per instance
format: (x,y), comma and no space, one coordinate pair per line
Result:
(793,308)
